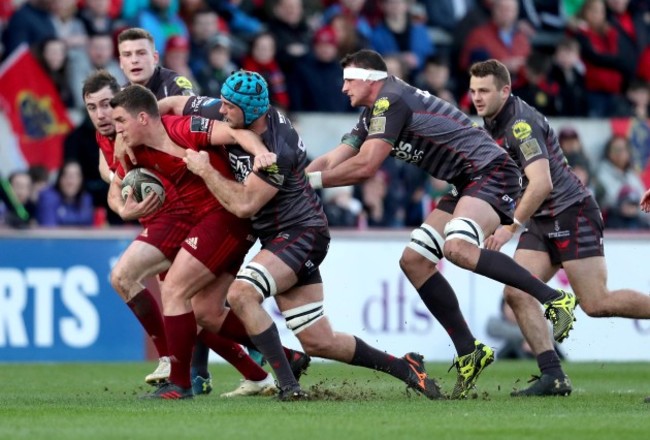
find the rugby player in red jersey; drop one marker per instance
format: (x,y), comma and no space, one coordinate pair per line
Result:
(157,245)
(196,283)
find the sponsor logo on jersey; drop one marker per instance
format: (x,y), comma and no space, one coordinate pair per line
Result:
(377,126)
(241,166)
(521,130)
(381,105)
(192,242)
(199,124)
(530,149)
(183,82)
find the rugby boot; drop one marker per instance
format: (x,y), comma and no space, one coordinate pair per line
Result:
(546,385)
(264,387)
(170,391)
(560,312)
(469,367)
(418,378)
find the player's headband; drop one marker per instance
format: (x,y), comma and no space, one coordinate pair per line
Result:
(364,74)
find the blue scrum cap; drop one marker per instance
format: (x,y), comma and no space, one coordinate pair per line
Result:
(248,91)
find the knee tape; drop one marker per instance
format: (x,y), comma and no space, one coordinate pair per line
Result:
(464,228)
(427,242)
(302,317)
(260,278)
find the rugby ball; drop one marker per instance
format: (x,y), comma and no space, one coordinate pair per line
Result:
(142,182)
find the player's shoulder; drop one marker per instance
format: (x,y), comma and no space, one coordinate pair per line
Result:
(172,78)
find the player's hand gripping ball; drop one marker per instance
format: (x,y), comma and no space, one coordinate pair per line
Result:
(142,182)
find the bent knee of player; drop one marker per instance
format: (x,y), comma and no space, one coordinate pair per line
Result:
(241,294)
(318,340)
(596,305)
(121,281)
(410,262)
(455,250)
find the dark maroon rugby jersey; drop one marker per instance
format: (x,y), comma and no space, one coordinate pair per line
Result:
(296,204)
(527,136)
(427,132)
(165,82)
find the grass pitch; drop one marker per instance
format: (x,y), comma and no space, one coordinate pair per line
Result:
(100,401)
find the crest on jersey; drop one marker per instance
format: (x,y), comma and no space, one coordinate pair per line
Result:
(377,126)
(381,105)
(199,124)
(521,130)
(530,149)
(183,82)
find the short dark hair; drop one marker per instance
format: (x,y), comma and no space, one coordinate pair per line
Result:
(97,81)
(492,67)
(366,59)
(135,99)
(131,34)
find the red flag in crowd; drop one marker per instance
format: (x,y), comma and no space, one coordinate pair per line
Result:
(32,104)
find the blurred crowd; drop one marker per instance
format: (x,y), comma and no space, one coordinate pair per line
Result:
(572,58)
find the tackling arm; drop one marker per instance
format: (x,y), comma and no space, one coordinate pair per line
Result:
(172,105)
(355,168)
(242,199)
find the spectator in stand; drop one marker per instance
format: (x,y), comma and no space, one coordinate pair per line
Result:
(177,57)
(396,66)
(31,24)
(352,28)
(341,208)
(261,59)
(40,180)
(242,24)
(16,208)
(162,21)
(203,27)
(95,15)
(66,203)
(603,60)
(101,54)
(577,159)
(220,66)
(318,84)
(638,131)
(567,71)
(500,38)
(398,34)
(373,195)
(534,87)
(291,33)
(72,31)
(622,186)
(446,14)
(435,78)
(51,54)
(632,32)
(80,145)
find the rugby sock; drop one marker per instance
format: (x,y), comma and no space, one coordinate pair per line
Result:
(234,329)
(549,363)
(145,307)
(440,298)
(500,267)
(268,343)
(200,357)
(234,355)
(181,335)
(369,357)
